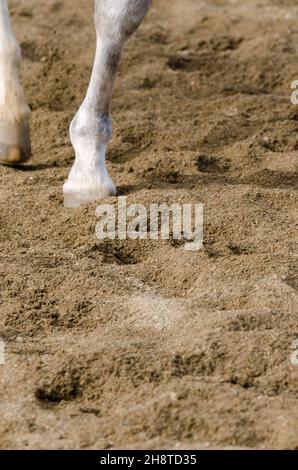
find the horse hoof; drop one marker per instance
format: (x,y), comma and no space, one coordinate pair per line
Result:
(15,147)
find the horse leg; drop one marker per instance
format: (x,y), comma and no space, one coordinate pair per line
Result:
(15,145)
(90,131)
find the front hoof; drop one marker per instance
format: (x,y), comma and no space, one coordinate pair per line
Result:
(76,194)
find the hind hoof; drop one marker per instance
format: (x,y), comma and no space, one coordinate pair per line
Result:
(15,147)
(13,155)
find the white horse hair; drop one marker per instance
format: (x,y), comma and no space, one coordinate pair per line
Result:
(90,130)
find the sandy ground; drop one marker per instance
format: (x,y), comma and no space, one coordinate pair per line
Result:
(140,344)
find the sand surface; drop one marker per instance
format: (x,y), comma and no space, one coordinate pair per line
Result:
(140,344)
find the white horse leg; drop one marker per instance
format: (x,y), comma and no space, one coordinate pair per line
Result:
(90,131)
(15,145)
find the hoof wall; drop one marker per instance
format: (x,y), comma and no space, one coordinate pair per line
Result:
(12,155)
(15,146)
